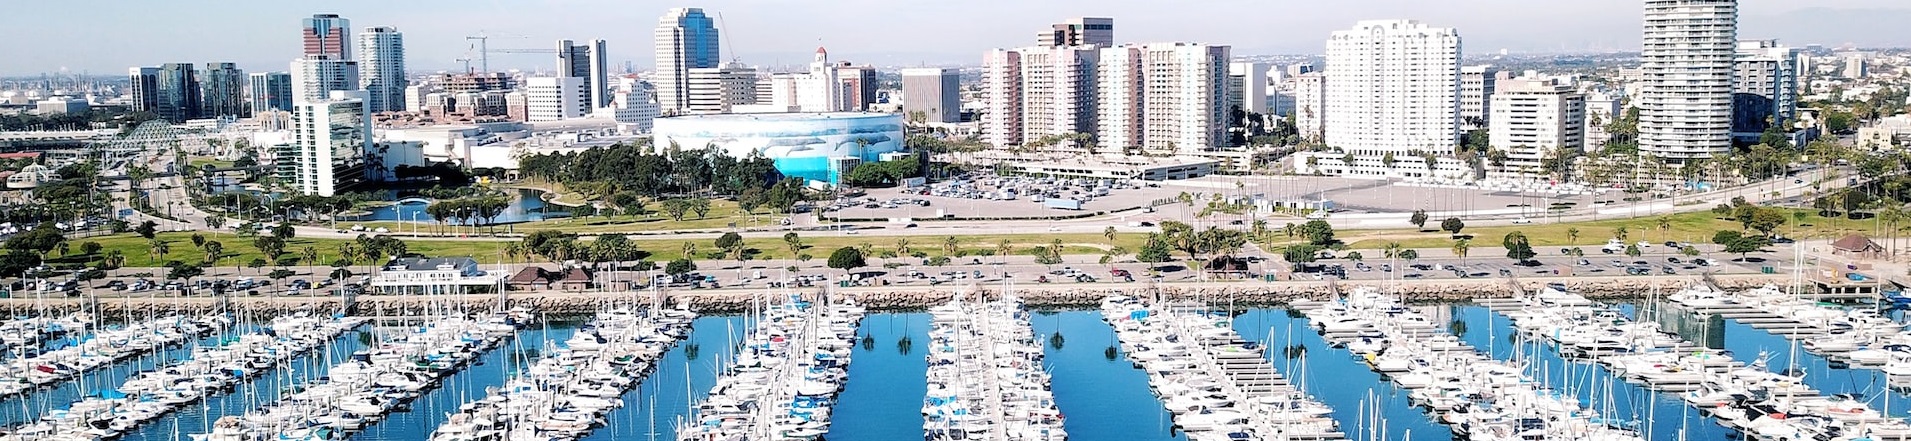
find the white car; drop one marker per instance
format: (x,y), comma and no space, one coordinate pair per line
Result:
(1522,221)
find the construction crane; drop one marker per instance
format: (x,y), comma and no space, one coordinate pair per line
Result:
(484,50)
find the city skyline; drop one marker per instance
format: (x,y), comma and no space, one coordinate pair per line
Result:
(758,32)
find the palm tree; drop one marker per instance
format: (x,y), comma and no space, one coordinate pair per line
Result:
(1002,249)
(902,246)
(1572,235)
(114,259)
(950,246)
(1619,233)
(1109,233)
(689,250)
(1392,252)
(1460,248)
(513,251)
(309,255)
(158,248)
(1665,226)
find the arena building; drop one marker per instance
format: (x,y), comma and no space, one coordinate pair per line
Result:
(812,146)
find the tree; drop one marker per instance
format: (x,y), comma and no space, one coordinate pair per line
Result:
(1302,253)
(679,267)
(951,245)
(16,262)
(794,243)
(1410,255)
(90,248)
(280,273)
(147,229)
(1452,225)
(271,246)
(1518,247)
(1766,220)
(1689,251)
(1003,248)
(1154,251)
(1632,250)
(198,240)
(1620,232)
(846,258)
(1419,218)
(256,263)
(185,273)
(283,231)
(158,249)
(728,241)
(1572,235)
(1460,248)
(1318,232)
(1355,256)
(214,251)
(1746,244)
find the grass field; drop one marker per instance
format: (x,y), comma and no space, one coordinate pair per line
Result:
(1686,227)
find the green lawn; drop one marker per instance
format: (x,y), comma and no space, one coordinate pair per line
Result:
(1686,227)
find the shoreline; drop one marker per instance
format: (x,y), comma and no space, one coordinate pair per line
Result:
(556,303)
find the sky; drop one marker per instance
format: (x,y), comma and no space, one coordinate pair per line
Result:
(108,36)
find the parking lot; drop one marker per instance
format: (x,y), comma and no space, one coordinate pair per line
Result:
(1002,197)
(1375,196)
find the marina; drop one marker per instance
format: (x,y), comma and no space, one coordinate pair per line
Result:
(361,391)
(985,376)
(100,348)
(1549,365)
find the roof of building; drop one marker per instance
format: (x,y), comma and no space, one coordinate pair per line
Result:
(529,274)
(1855,243)
(428,264)
(19,155)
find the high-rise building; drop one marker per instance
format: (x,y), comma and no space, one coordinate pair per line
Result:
(329,139)
(1392,86)
(1247,86)
(1164,97)
(1310,105)
(1476,95)
(587,62)
(1002,92)
(686,39)
(145,88)
(1685,104)
(1534,119)
(1764,88)
(177,92)
(316,77)
(718,89)
(222,91)
(381,64)
(859,86)
(1079,31)
(477,82)
(934,92)
(556,98)
(328,35)
(1051,92)
(269,91)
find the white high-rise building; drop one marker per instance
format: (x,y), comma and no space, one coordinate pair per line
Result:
(315,77)
(819,90)
(1047,91)
(1393,86)
(556,98)
(1855,66)
(381,64)
(1685,104)
(1310,105)
(1247,86)
(686,39)
(329,140)
(1167,97)
(1534,119)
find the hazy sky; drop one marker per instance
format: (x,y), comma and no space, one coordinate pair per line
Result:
(107,36)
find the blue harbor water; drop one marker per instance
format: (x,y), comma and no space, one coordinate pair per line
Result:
(1103,397)
(887,380)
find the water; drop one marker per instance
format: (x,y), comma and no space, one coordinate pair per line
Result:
(887,380)
(678,383)
(1103,399)
(526,205)
(1337,379)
